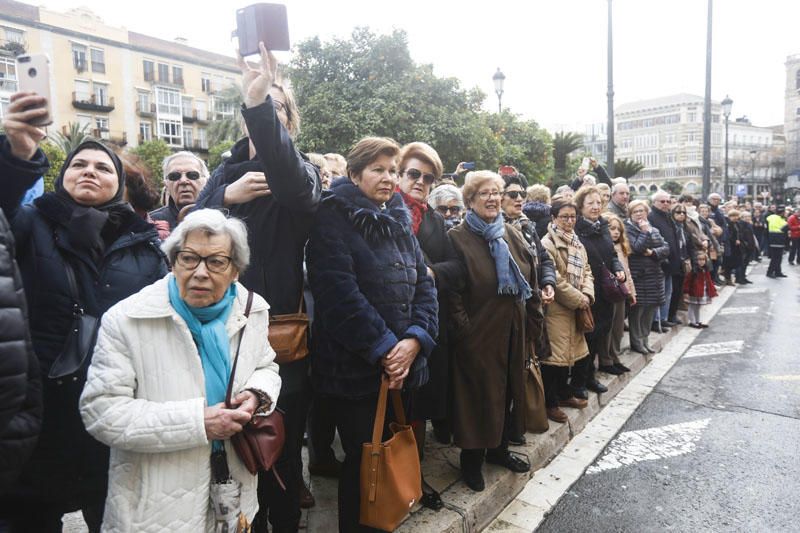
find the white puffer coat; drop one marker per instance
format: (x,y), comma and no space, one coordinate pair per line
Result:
(144,397)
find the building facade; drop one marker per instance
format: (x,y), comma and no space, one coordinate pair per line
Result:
(791,121)
(125,87)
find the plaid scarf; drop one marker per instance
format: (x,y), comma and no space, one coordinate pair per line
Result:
(574,258)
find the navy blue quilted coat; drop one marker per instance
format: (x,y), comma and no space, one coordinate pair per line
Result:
(371,289)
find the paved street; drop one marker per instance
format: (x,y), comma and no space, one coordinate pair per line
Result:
(714,447)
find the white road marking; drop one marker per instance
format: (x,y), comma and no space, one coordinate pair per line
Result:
(790,377)
(738,310)
(715,348)
(754,290)
(633,447)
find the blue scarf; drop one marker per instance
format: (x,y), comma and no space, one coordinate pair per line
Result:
(207,325)
(509,277)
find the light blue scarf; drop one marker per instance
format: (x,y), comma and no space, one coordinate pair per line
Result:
(207,325)
(509,277)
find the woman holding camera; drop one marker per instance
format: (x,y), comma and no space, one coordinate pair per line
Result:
(80,249)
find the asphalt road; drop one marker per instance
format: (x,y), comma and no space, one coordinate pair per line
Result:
(716,445)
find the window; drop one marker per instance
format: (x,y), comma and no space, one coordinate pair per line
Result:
(671,158)
(202,138)
(82,93)
(170,132)
(14,35)
(177,75)
(143,102)
(98,60)
(145,132)
(3,106)
(79,57)
(797,80)
(101,123)
(149,70)
(8,75)
(186,106)
(205,82)
(100,93)
(691,116)
(84,121)
(188,137)
(163,72)
(168,101)
(202,110)
(222,107)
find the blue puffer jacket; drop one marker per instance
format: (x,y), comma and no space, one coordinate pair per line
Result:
(371,289)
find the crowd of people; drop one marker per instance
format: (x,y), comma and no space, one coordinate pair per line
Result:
(453,294)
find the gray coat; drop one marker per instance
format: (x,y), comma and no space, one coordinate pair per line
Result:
(648,277)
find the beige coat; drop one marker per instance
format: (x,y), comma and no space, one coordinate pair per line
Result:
(566,342)
(628,278)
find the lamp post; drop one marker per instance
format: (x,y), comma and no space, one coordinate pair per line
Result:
(610,95)
(499,79)
(727,104)
(753,154)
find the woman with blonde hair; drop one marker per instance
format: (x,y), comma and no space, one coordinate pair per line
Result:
(610,363)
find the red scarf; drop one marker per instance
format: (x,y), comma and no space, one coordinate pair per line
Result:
(417,209)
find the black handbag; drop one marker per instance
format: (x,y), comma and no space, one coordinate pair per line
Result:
(613,289)
(78,348)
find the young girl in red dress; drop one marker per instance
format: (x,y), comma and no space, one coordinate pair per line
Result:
(699,288)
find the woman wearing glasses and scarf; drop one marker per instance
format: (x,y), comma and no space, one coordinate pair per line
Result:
(86,229)
(497,316)
(420,167)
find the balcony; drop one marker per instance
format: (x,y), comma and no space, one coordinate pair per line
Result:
(148,110)
(92,103)
(81,65)
(118,138)
(201,115)
(189,115)
(8,85)
(12,48)
(196,146)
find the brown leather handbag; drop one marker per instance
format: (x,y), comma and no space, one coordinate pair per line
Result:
(260,442)
(288,335)
(535,410)
(585,320)
(391,478)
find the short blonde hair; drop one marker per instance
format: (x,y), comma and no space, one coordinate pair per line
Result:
(476,179)
(538,193)
(423,152)
(733,212)
(583,192)
(318,160)
(638,203)
(336,163)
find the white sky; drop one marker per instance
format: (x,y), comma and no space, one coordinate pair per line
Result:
(553,52)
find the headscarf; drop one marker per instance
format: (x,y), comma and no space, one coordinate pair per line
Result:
(416,208)
(509,276)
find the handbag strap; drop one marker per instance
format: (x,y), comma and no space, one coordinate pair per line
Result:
(380,412)
(77,309)
(238,345)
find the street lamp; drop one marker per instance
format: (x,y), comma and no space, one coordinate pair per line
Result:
(499,79)
(727,104)
(753,154)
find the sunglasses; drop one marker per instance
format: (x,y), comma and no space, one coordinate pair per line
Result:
(444,210)
(513,194)
(679,212)
(175,176)
(415,174)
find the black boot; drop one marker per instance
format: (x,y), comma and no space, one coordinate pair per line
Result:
(471,464)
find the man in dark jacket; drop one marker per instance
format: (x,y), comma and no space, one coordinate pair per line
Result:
(20,386)
(185,175)
(275,189)
(661,219)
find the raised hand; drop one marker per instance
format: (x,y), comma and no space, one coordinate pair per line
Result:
(256,82)
(24,137)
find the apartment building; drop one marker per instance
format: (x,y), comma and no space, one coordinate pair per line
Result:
(792,120)
(125,86)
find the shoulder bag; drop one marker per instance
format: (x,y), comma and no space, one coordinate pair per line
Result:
(77,351)
(391,478)
(613,289)
(260,442)
(288,335)
(535,412)
(584,320)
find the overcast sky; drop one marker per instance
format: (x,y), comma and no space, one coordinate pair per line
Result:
(553,52)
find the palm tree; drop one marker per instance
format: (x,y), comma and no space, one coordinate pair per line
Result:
(563,145)
(227,128)
(627,168)
(73,135)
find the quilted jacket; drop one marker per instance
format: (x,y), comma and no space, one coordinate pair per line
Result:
(144,398)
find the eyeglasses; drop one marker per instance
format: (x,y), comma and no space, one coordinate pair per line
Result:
(175,176)
(663,201)
(217,263)
(514,194)
(679,212)
(567,217)
(415,174)
(444,210)
(483,195)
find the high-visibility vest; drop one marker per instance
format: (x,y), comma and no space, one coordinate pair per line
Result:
(775,223)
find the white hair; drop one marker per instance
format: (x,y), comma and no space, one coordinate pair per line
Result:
(211,222)
(184,154)
(563,189)
(619,185)
(658,193)
(443,194)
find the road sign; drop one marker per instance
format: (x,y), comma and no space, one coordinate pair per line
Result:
(741,190)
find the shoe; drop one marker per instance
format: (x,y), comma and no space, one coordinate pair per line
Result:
(656,328)
(729,283)
(622,367)
(596,386)
(518,441)
(702,325)
(511,461)
(580,393)
(306,498)
(610,369)
(666,324)
(649,349)
(473,477)
(431,500)
(781,275)
(639,349)
(575,403)
(329,469)
(696,325)
(771,275)
(557,415)
(747,282)
(791,263)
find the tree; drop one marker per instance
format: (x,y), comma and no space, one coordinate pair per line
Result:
(152,154)
(627,168)
(672,187)
(226,128)
(75,134)
(56,157)
(563,145)
(522,144)
(215,154)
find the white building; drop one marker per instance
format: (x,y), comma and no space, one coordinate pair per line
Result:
(791,122)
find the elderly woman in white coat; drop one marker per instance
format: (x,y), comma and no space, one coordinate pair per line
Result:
(156,386)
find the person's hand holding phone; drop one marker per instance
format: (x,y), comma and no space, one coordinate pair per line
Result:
(23,110)
(256,82)
(249,187)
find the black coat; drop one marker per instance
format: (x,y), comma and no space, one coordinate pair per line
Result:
(371,289)
(430,402)
(539,214)
(277,225)
(665,225)
(648,277)
(545,268)
(20,384)
(68,464)
(596,238)
(168,213)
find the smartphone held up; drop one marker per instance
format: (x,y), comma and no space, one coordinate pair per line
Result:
(267,23)
(33,73)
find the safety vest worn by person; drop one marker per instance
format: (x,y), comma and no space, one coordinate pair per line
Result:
(777,230)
